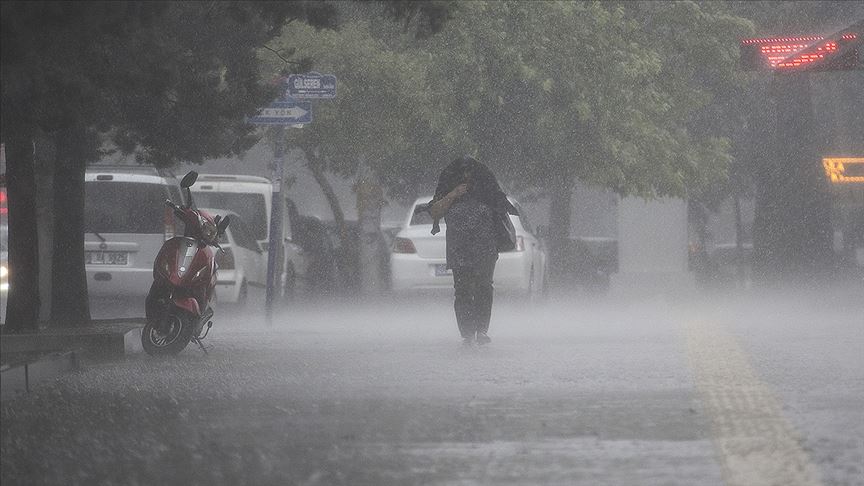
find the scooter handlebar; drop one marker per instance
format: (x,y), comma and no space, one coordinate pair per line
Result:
(177,209)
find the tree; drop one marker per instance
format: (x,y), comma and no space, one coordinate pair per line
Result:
(368,129)
(554,92)
(169,81)
(698,43)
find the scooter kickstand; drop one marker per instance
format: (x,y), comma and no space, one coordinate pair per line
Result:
(201,345)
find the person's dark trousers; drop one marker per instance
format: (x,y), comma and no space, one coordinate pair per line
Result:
(473,303)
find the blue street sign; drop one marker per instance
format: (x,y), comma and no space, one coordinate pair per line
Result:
(284,113)
(311,85)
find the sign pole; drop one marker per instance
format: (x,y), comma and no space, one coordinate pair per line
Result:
(286,111)
(274,246)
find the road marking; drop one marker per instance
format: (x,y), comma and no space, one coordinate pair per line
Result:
(755,444)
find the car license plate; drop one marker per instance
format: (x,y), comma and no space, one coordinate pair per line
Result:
(442,271)
(106,258)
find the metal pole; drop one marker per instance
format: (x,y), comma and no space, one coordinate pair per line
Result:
(274,246)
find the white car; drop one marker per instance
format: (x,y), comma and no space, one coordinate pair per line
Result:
(251,198)
(418,260)
(242,264)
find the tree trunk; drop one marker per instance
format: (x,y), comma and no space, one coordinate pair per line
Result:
(559,231)
(370,199)
(316,167)
(22,311)
(700,264)
(69,304)
(44,150)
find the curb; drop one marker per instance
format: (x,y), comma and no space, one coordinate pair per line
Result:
(96,343)
(19,378)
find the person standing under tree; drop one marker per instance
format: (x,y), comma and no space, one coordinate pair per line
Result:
(475,210)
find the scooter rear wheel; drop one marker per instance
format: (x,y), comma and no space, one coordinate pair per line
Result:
(169,338)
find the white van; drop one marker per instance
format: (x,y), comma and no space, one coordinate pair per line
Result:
(251,198)
(248,196)
(125,223)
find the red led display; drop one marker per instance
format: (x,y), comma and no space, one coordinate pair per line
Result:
(778,61)
(805,52)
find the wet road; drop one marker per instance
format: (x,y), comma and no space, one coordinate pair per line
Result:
(597,394)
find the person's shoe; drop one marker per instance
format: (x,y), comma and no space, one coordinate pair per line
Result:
(468,341)
(482,338)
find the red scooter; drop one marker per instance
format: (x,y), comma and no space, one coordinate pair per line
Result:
(184,280)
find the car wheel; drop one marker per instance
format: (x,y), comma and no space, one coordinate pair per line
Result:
(531,293)
(243,296)
(289,286)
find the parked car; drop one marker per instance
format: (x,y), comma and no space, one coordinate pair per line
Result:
(242,263)
(334,269)
(726,266)
(322,272)
(125,223)
(587,262)
(250,197)
(348,258)
(418,259)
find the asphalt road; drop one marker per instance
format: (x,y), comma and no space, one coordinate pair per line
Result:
(745,391)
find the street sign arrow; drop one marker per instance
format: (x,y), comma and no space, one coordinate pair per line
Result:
(284,113)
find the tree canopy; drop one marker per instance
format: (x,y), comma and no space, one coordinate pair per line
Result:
(166,81)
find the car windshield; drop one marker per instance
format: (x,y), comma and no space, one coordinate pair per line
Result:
(249,206)
(124,207)
(240,231)
(421,218)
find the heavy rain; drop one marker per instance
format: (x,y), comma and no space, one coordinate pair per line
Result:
(221,261)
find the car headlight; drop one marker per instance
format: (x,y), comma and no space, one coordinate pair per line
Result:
(3,271)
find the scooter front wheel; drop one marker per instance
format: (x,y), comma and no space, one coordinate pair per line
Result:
(168,337)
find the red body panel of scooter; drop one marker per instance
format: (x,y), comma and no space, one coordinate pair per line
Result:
(187,265)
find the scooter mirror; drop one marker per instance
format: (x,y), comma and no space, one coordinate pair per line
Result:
(222,224)
(189,179)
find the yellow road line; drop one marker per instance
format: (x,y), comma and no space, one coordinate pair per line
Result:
(755,444)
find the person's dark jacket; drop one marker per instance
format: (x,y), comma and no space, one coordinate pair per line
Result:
(483,186)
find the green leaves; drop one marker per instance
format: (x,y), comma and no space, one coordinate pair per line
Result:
(616,94)
(169,81)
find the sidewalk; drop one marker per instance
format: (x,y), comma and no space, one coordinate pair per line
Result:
(26,359)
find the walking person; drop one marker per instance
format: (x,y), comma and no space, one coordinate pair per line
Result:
(475,211)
